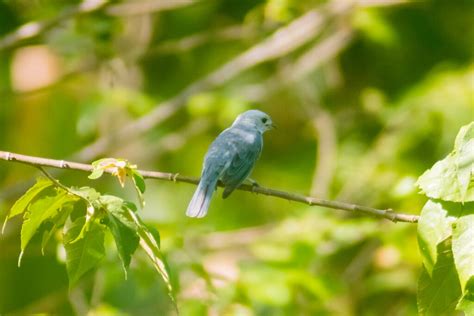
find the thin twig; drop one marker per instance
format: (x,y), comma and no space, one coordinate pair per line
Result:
(147,7)
(326,153)
(36,28)
(175,177)
(283,41)
(90,207)
(322,52)
(233,32)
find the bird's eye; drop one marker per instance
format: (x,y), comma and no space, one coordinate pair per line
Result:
(264,120)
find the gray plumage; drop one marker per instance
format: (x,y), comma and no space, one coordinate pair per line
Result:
(230,158)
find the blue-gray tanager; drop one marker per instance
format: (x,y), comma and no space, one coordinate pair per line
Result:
(230,158)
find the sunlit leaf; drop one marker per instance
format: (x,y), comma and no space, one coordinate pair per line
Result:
(85,253)
(21,204)
(464,147)
(118,207)
(434,226)
(117,167)
(96,173)
(466,304)
(439,294)
(463,247)
(87,193)
(451,179)
(40,211)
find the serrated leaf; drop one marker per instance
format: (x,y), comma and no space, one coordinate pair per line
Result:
(58,222)
(87,193)
(439,294)
(21,204)
(85,253)
(126,240)
(463,247)
(446,180)
(40,211)
(434,226)
(139,181)
(111,202)
(117,207)
(452,179)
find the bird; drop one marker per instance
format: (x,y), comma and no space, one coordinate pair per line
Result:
(230,159)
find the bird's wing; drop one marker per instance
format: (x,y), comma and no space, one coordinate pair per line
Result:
(241,165)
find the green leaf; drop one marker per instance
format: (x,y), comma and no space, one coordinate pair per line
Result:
(139,181)
(439,294)
(451,179)
(58,221)
(151,247)
(85,253)
(156,235)
(130,206)
(122,228)
(466,304)
(117,167)
(96,173)
(117,207)
(40,211)
(434,226)
(126,240)
(21,204)
(466,134)
(463,247)
(87,193)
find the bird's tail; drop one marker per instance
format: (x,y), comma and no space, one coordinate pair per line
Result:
(201,199)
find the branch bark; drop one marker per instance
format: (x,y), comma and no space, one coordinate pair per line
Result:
(176,177)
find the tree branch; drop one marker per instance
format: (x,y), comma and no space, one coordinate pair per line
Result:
(282,42)
(147,7)
(176,177)
(36,28)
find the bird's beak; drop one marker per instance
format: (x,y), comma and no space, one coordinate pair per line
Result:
(273,126)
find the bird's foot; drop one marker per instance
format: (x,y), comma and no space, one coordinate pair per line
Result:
(253,183)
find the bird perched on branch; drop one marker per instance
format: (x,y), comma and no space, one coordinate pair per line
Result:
(230,158)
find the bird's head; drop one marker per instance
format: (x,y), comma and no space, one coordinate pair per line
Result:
(255,119)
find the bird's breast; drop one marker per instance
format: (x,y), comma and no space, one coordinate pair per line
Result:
(246,136)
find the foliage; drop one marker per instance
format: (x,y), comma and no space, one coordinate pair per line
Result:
(385,88)
(85,215)
(446,230)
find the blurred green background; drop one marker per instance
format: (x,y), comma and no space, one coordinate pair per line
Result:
(365,100)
